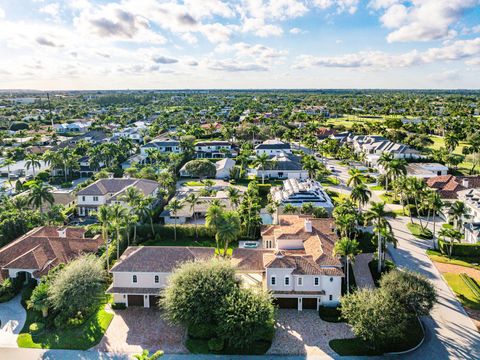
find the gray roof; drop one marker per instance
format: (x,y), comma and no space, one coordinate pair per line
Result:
(113,186)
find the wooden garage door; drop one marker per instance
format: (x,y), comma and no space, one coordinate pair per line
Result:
(135,300)
(309,303)
(287,303)
(154,301)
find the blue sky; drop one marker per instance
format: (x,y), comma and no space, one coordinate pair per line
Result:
(99,44)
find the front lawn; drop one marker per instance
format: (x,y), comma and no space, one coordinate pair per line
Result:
(193,183)
(437,256)
(377,188)
(188,242)
(419,232)
(464,294)
(81,337)
(358,347)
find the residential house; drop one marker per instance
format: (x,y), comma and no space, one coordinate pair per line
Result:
(281,166)
(164,145)
(93,137)
(296,193)
(426,170)
(134,132)
(296,264)
(272,148)
(222,167)
(79,127)
(471,198)
(43,248)
(110,191)
(448,186)
(214,149)
(323,133)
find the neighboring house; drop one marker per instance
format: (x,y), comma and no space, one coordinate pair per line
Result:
(110,191)
(272,148)
(134,132)
(223,168)
(296,193)
(86,169)
(133,160)
(296,264)
(323,133)
(448,186)
(164,145)
(281,166)
(426,170)
(471,198)
(214,149)
(75,127)
(142,271)
(93,137)
(43,248)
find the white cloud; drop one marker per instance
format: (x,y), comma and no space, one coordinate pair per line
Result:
(295,30)
(341,6)
(51,9)
(2,13)
(216,33)
(255,51)
(236,66)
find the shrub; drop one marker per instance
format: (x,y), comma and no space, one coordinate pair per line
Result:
(320,212)
(10,288)
(66,185)
(201,331)
(36,327)
(215,344)
(460,250)
(119,306)
(18,125)
(264,189)
(42,176)
(185,232)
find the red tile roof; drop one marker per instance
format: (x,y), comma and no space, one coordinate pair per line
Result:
(449,185)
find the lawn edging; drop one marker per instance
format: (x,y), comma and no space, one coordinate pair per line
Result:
(416,346)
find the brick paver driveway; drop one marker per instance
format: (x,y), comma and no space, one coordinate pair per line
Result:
(136,328)
(304,333)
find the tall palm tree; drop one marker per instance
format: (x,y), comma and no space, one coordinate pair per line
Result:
(233,196)
(40,193)
(458,212)
(261,161)
(145,211)
(32,161)
(118,215)
(360,194)
(355,178)
(9,162)
(395,168)
(435,205)
(132,197)
(348,249)
(103,215)
(193,200)
(451,141)
(416,188)
(384,160)
(377,216)
(213,217)
(174,206)
(228,230)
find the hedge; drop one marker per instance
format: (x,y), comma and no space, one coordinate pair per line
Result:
(185,232)
(461,250)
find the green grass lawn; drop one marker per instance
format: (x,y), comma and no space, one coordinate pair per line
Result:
(439,142)
(193,183)
(463,292)
(377,188)
(417,231)
(82,337)
(357,347)
(387,198)
(437,256)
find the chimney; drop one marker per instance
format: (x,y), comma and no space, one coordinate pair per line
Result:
(465,183)
(308,225)
(279,255)
(62,232)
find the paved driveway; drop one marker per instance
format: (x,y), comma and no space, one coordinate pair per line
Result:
(304,333)
(137,328)
(12,318)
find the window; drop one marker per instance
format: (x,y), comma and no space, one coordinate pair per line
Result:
(331,279)
(299,281)
(287,281)
(95,198)
(134,278)
(316,281)
(157,279)
(330,297)
(83,198)
(272,280)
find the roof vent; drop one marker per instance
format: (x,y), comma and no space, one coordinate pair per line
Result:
(62,232)
(465,183)
(308,225)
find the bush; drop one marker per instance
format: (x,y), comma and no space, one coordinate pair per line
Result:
(36,327)
(119,306)
(10,288)
(215,344)
(264,189)
(185,232)
(320,212)
(201,331)
(330,314)
(18,125)
(42,176)
(66,185)
(461,250)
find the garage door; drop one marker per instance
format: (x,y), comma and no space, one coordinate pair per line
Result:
(287,303)
(154,301)
(135,300)
(309,303)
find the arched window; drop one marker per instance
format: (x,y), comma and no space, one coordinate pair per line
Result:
(134,278)
(157,279)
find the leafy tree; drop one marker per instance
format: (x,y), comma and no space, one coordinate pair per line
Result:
(289,209)
(360,194)
(39,300)
(145,355)
(40,193)
(104,216)
(201,168)
(78,286)
(348,249)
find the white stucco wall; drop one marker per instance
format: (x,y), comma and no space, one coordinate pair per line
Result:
(144,279)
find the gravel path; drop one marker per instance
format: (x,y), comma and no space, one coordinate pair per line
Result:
(304,333)
(361,271)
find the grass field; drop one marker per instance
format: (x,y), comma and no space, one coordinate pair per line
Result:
(463,292)
(438,142)
(437,256)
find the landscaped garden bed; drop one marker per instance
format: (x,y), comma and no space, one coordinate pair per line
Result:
(419,232)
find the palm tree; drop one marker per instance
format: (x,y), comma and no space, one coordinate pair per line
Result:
(416,188)
(213,217)
(356,177)
(376,215)
(32,161)
(395,168)
(132,197)
(8,162)
(174,206)
(348,249)
(451,141)
(458,212)
(261,161)
(453,235)
(193,200)
(360,194)
(39,194)
(384,160)
(233,196)
(435,204)
(145,211)
(118,214)
(103,215)
(228,230)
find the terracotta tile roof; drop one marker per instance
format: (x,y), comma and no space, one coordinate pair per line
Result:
(42,248)
(250,259)
(159,258)
(448,185)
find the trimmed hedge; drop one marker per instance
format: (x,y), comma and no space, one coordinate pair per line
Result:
(118,306)
(184,232)
(461,250)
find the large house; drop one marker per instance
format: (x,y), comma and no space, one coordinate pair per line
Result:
(426,170)
(448,186)
(296,193)
(164,145)
(214,149)
(471,198)
(110,191)
(43,248)
(222,169)
(296,264)
(281,166)
(79,127)
(272,148)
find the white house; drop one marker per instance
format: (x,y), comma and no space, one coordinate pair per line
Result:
(222,167)
(471,198)
(74,127)
(281,166)
(426,170)
(110,191)
(296,264)
(272,148)
(162,145)
(214,149)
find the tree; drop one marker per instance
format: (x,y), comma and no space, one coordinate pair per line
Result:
(307,208)
(262,161)
(40,193)
(117,216)
(78,286)
(132,197)
(145,355)
(348,249)
(193,200)
(290,209)
(356,177)
(233,196)
(146,212)
(201,168)
(8,162)
(458,212)
(395,168)
(104,216)
(228,230)
(174,206)
(39,299)
(451,141)
(32,161)
(434,204)
(360,194)
(376,215)
(384,160)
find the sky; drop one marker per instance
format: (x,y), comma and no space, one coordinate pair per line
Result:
(225,44)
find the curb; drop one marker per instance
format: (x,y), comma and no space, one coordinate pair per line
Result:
(415,347)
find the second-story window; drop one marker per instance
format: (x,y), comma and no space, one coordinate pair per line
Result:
(273,280)
(95,198)
(83,198)
(134,278)
(299,281)
(316,281)
(156,279)
(287,281)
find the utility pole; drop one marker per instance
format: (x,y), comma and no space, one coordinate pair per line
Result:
(50,109)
